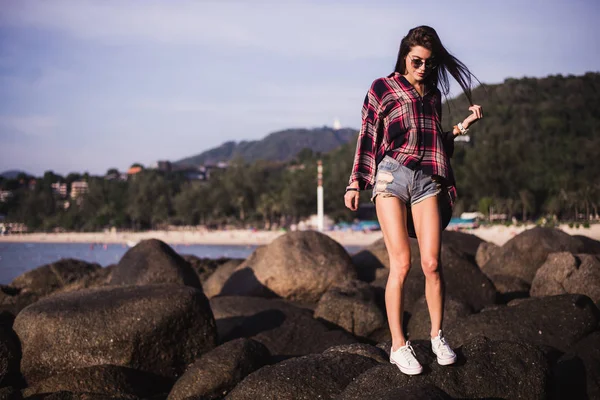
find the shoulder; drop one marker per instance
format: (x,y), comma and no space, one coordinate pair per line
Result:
(381,87)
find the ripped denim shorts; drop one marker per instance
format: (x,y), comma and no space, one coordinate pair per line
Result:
(410,186)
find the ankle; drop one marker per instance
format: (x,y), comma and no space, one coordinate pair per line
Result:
(398,344)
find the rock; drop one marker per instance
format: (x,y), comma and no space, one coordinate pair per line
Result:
(352,307)
(217,372)
(485,369)
(64,395)
(106,380)
(13,300)
(214,283)
(50,277)
(485,251)
(568,273)
(297,266)
(510,288)
(464,280)
(361,349)
(522,255)
(557,321)
(205,267)
(10,393)
(158,329)
(98,278)
(152,261)
(419,324)
(316,376)
(10,357)
(577,373)
(463,242)
(286,330)
(412,392)
(590,246)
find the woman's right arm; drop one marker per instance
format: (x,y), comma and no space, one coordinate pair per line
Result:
(363,169)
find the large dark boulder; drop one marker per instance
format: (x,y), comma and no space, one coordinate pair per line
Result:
(590,246)
(485,252)
(106,380)
(557,321)
(361,349)
(10,356)
(204,267)
(152,261)
(463,242)
(297,266)
(568,273)
(218,371)
(51,277)
(419,323)
(286,330)
(485,370)
(13,300)
(158,329)
(577,373)
(522,255)
(213,285)
(352,307)
(316,376)
(97,278)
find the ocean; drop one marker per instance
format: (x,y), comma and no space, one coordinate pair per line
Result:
(17,258)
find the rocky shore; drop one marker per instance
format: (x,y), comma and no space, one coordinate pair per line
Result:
(300,318)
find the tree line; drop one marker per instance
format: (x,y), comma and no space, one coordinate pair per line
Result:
(533,155)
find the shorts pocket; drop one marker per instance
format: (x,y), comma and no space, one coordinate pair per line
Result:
(388,164)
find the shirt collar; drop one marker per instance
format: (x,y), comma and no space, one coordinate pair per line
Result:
(406,85)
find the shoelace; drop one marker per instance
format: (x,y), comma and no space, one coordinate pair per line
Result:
(442,347)
(409,354)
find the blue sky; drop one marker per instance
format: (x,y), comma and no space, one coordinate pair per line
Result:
(90,85)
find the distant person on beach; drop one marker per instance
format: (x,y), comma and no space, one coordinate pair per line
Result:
(404,156)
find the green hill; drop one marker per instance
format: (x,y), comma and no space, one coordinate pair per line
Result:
(277,146)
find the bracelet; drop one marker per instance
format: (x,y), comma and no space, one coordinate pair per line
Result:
(352,189)
(462,129)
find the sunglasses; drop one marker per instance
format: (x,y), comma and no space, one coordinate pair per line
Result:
(418,62)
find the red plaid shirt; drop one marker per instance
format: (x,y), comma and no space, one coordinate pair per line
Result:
(398,122)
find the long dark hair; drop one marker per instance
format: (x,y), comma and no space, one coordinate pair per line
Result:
(427,37)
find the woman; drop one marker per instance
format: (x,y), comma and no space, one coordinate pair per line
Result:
(403,154)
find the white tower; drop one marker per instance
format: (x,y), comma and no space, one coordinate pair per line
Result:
(320,196)
(336,124)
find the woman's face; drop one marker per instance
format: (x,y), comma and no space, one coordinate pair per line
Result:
(420,58)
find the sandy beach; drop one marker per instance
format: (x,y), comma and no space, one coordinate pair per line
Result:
(496,234)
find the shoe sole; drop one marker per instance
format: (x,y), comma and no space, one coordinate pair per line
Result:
(408,371)
(448,361)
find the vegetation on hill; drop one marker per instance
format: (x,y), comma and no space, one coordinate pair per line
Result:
(534,154)
(277,146)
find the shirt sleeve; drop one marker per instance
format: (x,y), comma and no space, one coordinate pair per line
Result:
(369,139)
(448,136)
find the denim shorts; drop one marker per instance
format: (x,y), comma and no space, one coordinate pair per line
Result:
(410,186)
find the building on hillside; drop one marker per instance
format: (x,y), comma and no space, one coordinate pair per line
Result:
(134,170)
(31,184)
(164,166)
(78,188)
(59,189)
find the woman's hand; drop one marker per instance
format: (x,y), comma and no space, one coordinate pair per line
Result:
(476,115)
(351,197)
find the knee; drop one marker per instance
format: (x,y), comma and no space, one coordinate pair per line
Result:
(431,268)
(399,269)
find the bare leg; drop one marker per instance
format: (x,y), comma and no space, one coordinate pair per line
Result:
(391,213)
(426,216)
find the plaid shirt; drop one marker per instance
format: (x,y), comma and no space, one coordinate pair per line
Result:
(398,122)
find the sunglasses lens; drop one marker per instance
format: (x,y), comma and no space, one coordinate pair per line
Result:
(417,64)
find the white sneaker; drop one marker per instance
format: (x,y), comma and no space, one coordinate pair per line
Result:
(445,355)
(405,359)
